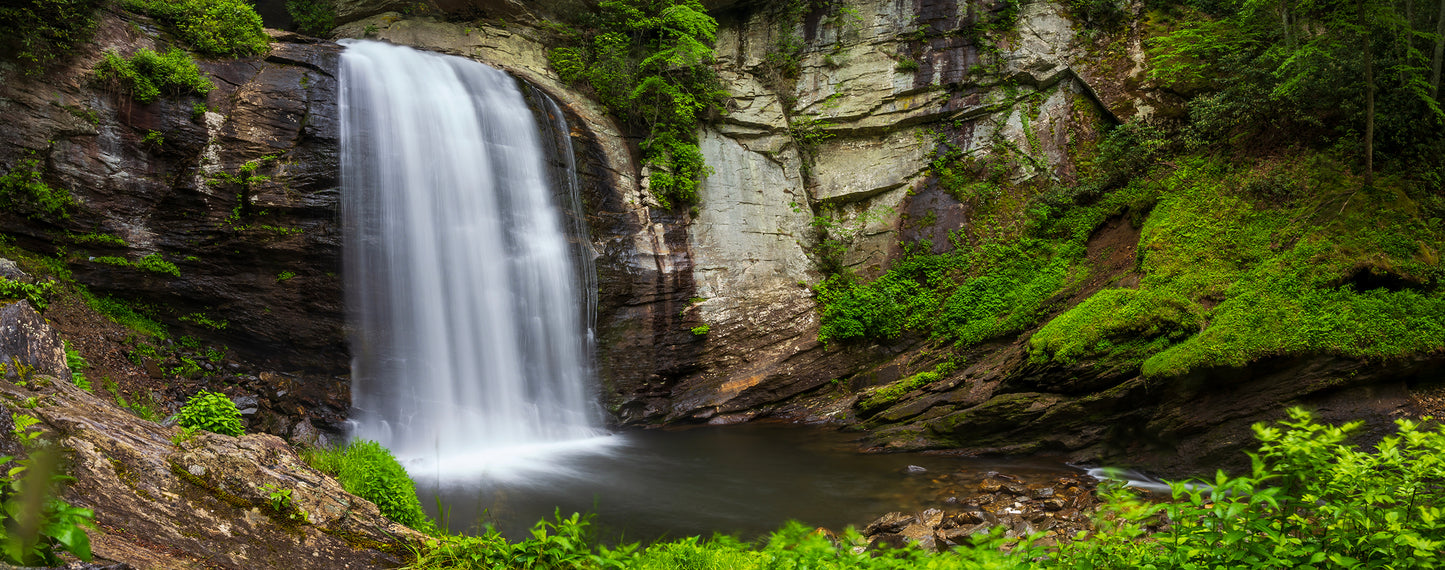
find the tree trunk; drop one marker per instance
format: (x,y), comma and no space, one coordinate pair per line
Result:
(1439,52)
(1369,97)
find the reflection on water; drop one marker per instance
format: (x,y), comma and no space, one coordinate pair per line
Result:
(745,480)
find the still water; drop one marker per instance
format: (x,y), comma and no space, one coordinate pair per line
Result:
(745,480)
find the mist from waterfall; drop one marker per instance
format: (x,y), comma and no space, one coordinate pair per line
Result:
(469,341)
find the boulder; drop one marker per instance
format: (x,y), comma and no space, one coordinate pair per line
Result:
(28,345)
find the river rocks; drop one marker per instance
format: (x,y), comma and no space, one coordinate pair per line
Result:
(1057,509)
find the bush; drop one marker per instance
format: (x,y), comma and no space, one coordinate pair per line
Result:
(649,63)
(227,28)
(368,470)
(40,32)
(1312,500)
(315,17)
(213,412)
(23,190)
(147,74)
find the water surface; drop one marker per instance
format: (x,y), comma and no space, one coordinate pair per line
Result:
(745,480)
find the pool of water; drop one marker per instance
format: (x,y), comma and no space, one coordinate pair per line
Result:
(745,480)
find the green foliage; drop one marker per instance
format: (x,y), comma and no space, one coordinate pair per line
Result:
(38,293)
(225,28)
(1125,324)
(1311,501)
(146,75)
(77,365)
(213,412)
(126,314)
(24,191)
(36,526)
(701,330)
(285,275)
(205,321)
(908,65)
(154,138)
(315,17)
(649,62)
(95,239)
(152,262)
(155,264)
(41,32)
(368,470)
(1263,73)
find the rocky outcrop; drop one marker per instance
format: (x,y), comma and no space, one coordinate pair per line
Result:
(28,346)
(255,249)
(165,500)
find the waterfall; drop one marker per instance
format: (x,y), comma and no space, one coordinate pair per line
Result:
(467,323)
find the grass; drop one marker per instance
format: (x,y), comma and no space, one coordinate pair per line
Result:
(368,470)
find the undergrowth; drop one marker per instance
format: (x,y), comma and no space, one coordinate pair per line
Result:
(368,470)
(147,75)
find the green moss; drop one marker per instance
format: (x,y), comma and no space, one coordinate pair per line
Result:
(888,394)
(155,264)
(1338,270)
(1116,324)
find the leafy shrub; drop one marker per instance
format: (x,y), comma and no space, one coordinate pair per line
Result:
(1311,500)
(146,75)
(40,32)
(315,17)
(649,63)
(154,263)
(23,190)
(38,294)
(368,470)
(227,28)
(213,412)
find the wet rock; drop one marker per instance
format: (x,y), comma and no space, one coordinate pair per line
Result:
(889,523)
(914,469)
(921,535)
(28,345)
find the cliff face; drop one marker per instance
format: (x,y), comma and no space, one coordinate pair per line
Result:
(257,261)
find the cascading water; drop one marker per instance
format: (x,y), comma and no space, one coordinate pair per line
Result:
(468,340)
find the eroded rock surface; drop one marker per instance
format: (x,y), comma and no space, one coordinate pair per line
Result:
(205,501)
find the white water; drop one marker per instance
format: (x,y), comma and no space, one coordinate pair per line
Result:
(469,346)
